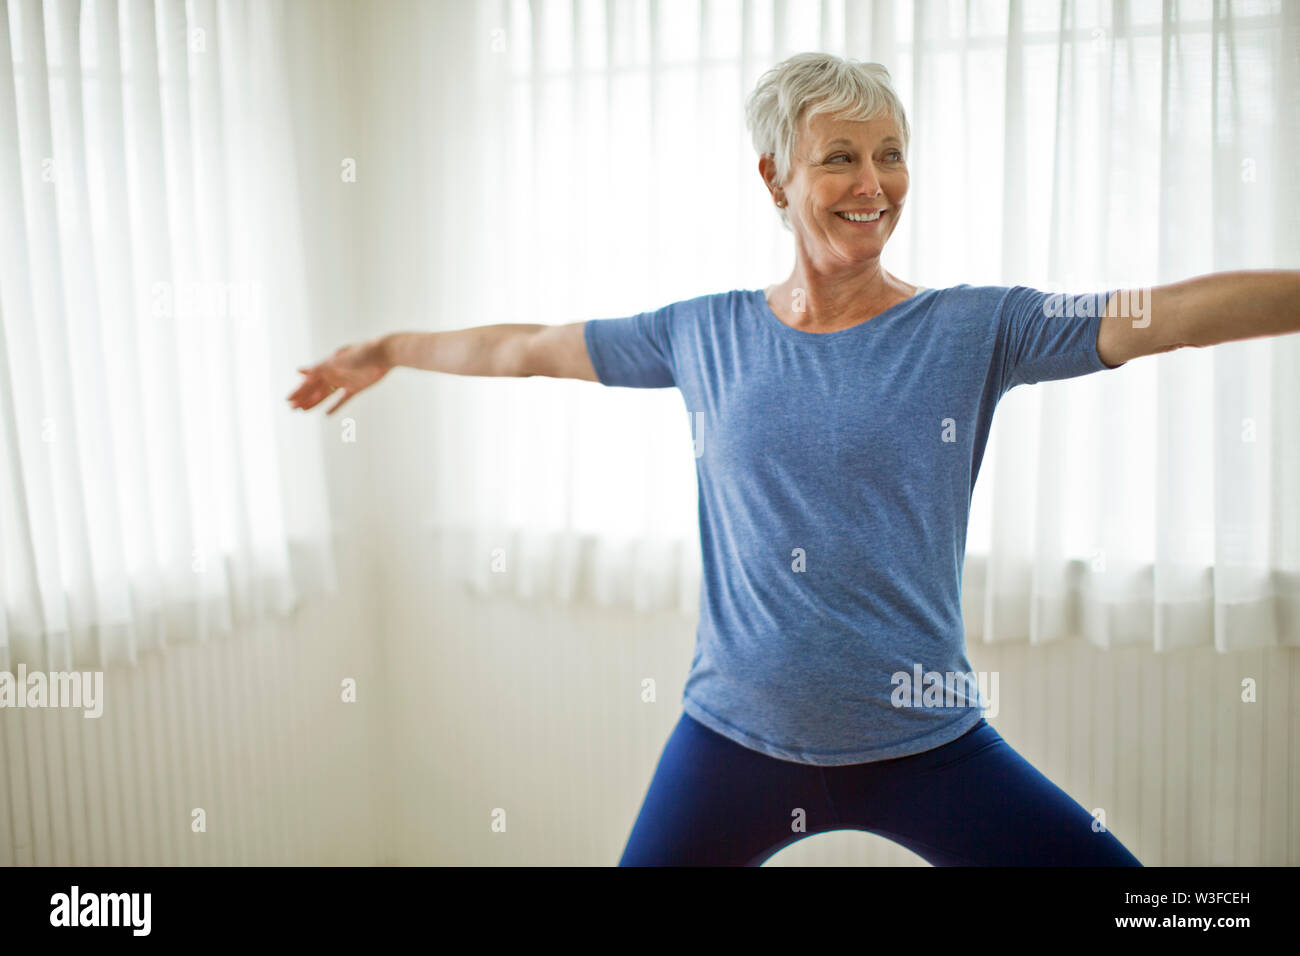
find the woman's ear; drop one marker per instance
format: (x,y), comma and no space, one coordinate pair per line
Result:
(767,169)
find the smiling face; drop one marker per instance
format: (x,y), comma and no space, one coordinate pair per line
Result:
(843,170)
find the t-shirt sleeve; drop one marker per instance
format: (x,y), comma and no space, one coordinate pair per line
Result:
(1042,336)
(636,352)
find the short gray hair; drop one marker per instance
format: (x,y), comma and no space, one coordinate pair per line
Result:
(801,86)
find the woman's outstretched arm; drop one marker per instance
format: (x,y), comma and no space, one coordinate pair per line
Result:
(517,351)
(1205,310)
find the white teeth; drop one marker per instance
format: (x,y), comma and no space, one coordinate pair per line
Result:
(855,217)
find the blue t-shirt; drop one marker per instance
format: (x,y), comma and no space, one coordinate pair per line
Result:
(835,473)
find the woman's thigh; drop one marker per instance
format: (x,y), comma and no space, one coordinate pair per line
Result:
(713,802)
(973,802)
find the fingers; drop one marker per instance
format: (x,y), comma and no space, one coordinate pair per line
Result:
(339,403)
(305,387)
(322,393)
(298,395)
(303,392)
(310,394)
(314,389)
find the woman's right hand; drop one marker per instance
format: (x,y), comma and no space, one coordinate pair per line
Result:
(352,368)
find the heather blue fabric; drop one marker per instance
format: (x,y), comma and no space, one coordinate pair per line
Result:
(835,472)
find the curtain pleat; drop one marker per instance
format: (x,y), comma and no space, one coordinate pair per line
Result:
(23,620)
(152,310)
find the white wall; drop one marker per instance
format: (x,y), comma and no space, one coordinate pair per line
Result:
(249,728)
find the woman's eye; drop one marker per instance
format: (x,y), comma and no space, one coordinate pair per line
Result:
(837,156)
(894,152)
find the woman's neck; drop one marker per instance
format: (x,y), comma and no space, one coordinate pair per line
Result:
(826,304)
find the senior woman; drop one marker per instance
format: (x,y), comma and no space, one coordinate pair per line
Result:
(844,415)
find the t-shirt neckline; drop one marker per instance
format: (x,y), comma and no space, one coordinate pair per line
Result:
(839,334)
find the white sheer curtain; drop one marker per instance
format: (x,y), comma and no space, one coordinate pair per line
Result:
(596,164)
(151,303)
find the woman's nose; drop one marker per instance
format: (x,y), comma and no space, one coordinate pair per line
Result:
(868,183)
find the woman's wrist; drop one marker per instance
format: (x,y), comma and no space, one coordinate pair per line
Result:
(385,350)
(418,350)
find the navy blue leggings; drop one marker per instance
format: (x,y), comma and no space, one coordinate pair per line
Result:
(971,802)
